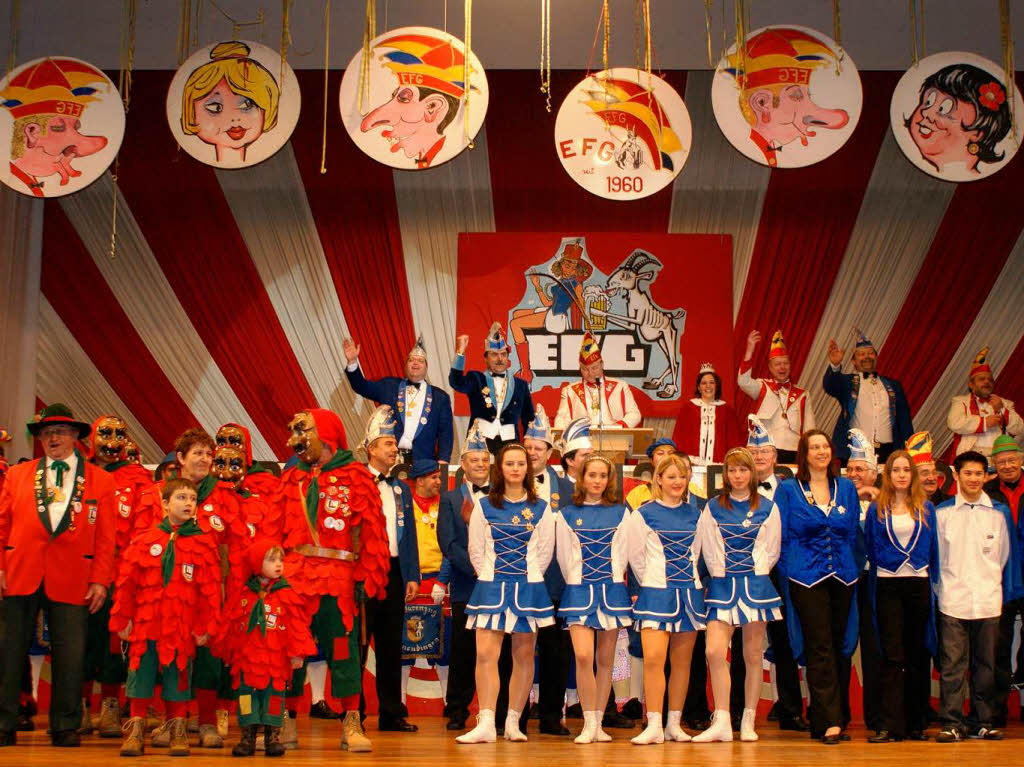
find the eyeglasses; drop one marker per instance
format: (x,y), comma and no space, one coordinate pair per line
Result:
(60,431)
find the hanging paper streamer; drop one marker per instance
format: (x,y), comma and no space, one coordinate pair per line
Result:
(61,125)
(229,106)
(783,100)
(412,114)
(951,116)
(623,134)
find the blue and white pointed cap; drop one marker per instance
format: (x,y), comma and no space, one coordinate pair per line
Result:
(475,441)
(495,341)
(540,426)
(863,342)
(576,435)
(380,424)
(757,434)
(861,448)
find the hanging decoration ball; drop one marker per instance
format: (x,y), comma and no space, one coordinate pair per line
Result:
(952,116)
(233,104)
(790,97)
(623,134)
(61,126)
(405,106)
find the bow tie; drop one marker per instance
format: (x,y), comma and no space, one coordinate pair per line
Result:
(380,478)
(870,375)
(539,479)
(766,485)
(485,489)
(497,375)
(413,384)
(60,467)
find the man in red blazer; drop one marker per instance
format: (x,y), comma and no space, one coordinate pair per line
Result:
(56,554)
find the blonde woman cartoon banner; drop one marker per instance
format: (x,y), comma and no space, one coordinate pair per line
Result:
(951,116)
(61,124)
(411,113)
(233,104)
(790,98)
(623,134)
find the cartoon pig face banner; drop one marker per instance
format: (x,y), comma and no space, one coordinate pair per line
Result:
(61,125)
(951,116)
(410,113)
(233,104)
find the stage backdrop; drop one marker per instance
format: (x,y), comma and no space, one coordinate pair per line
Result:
(659,304)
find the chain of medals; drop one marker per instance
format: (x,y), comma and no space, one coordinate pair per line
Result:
(809,496)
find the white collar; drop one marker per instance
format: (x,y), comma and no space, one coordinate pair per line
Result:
(701,403)
(983,500)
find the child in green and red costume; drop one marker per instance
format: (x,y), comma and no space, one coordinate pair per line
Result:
(166,606)
(263,635)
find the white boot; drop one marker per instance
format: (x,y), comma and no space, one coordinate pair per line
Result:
(653,733)
(483,732)
(589,733)
(747,733)
(720,729)
(674,730)
(601,736)
(512,731)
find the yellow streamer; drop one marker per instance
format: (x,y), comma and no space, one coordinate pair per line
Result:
(327,61)
(465,73)
(124,80)
(1009,68)
(545,50)
(837,35)
(741,19)
(707,25)
(12,53)
(606,20)
(369,32)
(286,38)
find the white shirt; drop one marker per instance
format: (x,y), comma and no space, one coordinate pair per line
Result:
(58,509)
(414,399)
(387,500)
(974,545)
(769,492)
(872,413)
(903,528)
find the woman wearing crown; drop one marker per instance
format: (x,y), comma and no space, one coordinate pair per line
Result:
(706,425)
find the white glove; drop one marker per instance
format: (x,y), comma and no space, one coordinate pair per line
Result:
(437,593)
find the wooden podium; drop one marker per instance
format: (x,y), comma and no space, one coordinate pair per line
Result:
(617,445)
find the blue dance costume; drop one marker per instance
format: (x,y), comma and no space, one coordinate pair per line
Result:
(740,546)
(510,548)
(592,554)
(664,554)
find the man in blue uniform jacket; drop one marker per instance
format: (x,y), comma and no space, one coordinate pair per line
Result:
(500,402)
(423,413)
(872,403)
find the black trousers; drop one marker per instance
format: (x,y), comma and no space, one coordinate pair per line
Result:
(1004,652)
(903,605)
(963,644)
(67,652)
(695,707)
(823,611)
(870,664)
(787,672)
(384,622)
(462,672)
(554,656)
(737,674)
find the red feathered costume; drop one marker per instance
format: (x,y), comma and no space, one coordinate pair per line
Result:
(131,480)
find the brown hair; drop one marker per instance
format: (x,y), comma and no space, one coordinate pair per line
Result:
(579,495)
(675,459)
(192,437)
(915,495)
(803,471)
(177,483)
(742,457)
(497,494)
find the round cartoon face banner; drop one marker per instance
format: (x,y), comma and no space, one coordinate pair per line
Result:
(411,112)
(623,134)
(233,104)
(61,125)
(791,98)
(951,116)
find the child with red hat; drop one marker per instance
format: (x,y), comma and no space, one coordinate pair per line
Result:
(263,635)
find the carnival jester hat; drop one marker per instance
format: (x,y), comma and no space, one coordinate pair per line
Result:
(863,342)
(419,349)
(775,58)
(421,61)
(623,103)
(778,347)
(380,424)
(540,426)
(475,440)
(980,364)
(919,446)
(590,352)
(54,86)
(495,341)
(861,448)
(575,435)
(757,434)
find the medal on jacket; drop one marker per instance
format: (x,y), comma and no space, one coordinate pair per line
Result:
(809,497)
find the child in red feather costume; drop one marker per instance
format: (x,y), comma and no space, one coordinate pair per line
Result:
(165,605)
(263,635)
(336,539)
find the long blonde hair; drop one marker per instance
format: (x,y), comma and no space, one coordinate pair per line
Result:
(915,494)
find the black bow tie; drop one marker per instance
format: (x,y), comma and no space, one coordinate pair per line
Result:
(413,384)
(766,485)
(380,478)
(485,489)
(497,375)
(870,375)
(539,479)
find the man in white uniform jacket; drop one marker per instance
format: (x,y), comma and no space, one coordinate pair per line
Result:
(978,417)
(608,403)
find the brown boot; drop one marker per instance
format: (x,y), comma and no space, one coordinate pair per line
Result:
(209,737)
(274,746)
(110,718)
(161,737)
(352,736)
(178,737)
(134,732)
(85,728)
(247,745)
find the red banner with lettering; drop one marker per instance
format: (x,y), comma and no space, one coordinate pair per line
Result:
(660,306)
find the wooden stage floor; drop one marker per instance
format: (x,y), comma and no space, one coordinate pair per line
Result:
(434,746)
